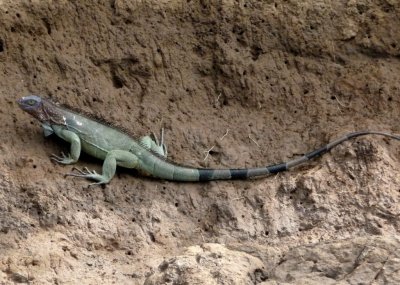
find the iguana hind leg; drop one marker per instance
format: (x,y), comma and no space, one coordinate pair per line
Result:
(152,143)
(115,157)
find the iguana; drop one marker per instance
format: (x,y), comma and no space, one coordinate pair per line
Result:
(146,154)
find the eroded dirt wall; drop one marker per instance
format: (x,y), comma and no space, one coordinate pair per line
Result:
(253,83)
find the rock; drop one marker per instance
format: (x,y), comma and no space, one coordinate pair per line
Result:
(208,264)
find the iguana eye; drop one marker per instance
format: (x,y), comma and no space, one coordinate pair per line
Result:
(31,102)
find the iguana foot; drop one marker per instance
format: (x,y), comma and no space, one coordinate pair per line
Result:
(93,175)
(63,159)
(161,145)
(152,143)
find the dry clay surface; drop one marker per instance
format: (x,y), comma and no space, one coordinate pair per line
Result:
(253,82)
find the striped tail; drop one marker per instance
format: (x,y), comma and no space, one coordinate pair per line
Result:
(206,174)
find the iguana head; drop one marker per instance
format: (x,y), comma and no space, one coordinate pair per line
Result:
(41,109)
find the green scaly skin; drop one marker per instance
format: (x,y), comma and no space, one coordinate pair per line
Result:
(116,147)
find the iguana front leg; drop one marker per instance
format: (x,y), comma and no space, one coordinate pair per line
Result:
(114,157)
(75,149)
(154,145)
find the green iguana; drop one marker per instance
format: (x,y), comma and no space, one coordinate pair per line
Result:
(145,154)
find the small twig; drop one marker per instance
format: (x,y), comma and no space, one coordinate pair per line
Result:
(254,141)
(239,198)
(340,103)
(201,233)
(221,138)
(202,236)
(219,95)
(208,152)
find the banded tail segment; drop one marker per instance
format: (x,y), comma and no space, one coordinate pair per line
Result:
(244,173)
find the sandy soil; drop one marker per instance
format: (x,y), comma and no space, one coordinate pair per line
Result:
(259,82)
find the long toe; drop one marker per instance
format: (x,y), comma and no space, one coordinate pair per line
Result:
(98,183)
(155,139)
(162,137)
(164,146)
(75,174)
(55,157)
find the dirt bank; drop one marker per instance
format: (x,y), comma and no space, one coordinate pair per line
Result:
(257,82)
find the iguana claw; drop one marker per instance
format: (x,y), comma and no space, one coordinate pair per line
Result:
(82,173)
(86,173)
(63,159)
(160,143)
(151,142)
